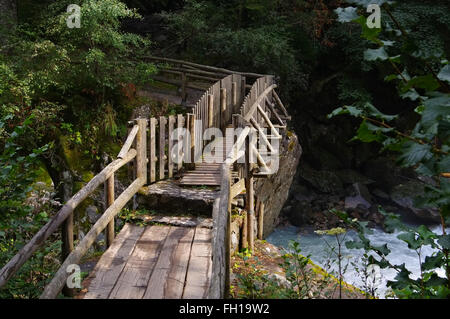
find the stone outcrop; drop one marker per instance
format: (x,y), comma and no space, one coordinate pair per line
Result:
(273,191)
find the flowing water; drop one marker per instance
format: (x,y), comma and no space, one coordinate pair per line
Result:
(314,245)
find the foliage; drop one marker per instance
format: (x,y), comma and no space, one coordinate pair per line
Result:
(428,284)
(302,279)
(425,147)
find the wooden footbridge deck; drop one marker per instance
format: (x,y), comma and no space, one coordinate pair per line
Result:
(172,261)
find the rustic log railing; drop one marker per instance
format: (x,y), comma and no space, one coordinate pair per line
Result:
(149,147)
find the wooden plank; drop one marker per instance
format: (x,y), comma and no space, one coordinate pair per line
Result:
(111,264)
(199,269)
(159,279)
(162,146)
(132,282)
(169,153)
(177,274)
(237,188)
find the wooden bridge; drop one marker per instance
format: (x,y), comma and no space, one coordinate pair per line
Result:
(172,261)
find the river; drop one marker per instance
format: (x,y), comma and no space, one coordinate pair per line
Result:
(314,245)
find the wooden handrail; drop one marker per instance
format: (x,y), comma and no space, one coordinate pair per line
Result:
(221,245)
(129,141)
(59,280)
(38,240)
(258,101)
(204,67)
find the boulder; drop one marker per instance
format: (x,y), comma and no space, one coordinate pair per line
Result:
(273,190)
(359,196)
(403,196)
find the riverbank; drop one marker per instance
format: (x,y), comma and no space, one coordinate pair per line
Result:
(263,276)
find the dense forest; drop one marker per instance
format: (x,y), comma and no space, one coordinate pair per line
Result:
(370,106)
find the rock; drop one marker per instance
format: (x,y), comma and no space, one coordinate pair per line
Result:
(403,195)
(92,214)
(350,176)
(379,193)
(273,191)
(360,196)
(323,181)
(301,214)
(386,174)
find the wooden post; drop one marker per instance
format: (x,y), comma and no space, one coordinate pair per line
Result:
(192,132)
(234,101)
(244,243)
(228,235)
(210,110)
(180,124)
(67,248)
(169,153)
(162,147)
(249,195)
(243,87)
(141,148)
(183,87)
(109,192)
(152,155)
(223,107)
(261,221)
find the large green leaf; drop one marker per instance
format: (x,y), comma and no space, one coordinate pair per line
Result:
(426,82)
(413,153)
(410,239)
(366,135)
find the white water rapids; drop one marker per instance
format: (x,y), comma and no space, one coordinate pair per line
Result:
(314,245)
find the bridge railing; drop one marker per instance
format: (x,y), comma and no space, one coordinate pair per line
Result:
(186,74)
(73,255)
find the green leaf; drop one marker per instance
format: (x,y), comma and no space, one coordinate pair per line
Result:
(410,239)
(444,74)
(413,153)
(373,111)
(426,82)
(366,135)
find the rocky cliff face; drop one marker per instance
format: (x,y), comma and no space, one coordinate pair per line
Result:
(274,190)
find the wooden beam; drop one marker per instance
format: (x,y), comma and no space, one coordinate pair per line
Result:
(141,149)
(260,98)
(109,192)
(268,121)
(169,152)
(129,141)
(280,104)
(210,110)
(262,134)
(180,154)
(152,154)
(261,221)
(162,146)
(237,188)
